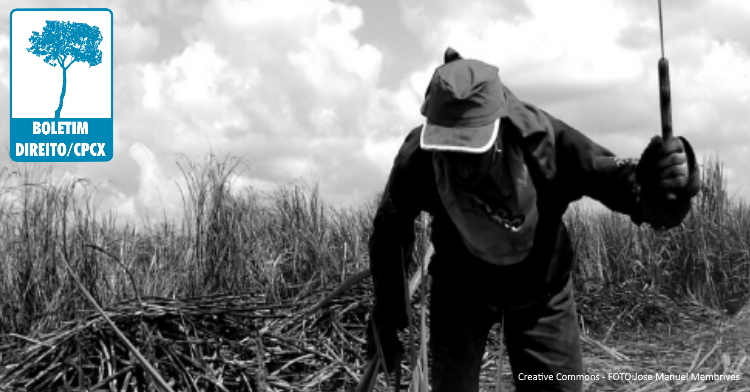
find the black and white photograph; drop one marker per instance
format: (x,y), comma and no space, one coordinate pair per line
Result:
(375,196)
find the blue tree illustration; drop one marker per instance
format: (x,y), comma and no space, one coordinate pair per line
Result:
(64,43)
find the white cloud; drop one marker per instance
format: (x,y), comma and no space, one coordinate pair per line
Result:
(134,41)
(4,42)
(720,89)
(4,47)
(152,83)
(156,191)
(558,44)
(383,151)
(714,111)
(194,76)
(195,92)
(242,183)
(269,15)
(333,48)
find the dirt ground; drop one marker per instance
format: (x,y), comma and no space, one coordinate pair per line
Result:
(699,345)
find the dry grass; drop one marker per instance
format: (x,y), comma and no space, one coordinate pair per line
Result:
(241,342)
(698,342)
(228,342)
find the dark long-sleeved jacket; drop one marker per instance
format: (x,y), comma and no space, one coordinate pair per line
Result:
(564,164)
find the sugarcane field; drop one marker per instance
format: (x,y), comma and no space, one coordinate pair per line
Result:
(374,196)
(241,296)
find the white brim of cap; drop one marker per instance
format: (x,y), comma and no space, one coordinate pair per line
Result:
(475,140)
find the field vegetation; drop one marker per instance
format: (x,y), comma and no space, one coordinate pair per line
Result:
(230,281)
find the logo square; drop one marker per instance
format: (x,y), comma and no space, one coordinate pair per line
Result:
(61,84)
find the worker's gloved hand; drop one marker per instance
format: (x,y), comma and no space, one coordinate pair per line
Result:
(668,178)
(390,344)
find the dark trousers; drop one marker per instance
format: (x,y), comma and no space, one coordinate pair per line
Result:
(542,337)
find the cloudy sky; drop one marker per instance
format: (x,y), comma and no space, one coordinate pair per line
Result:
(327,90)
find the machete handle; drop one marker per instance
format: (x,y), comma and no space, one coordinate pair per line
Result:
(665,99)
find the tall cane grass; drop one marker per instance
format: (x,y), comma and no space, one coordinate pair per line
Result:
(706,259)
(288,243)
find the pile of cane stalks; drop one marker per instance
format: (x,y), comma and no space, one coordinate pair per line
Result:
(216,343)
(245,342)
